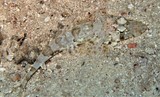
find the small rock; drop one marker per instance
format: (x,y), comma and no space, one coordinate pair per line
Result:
(2,69)
(15,77)
(121,28)
(121,21)
(58,67)
(60,26)
(47,19)
(132,45)
(24,63)
(65,14)
(114,43)
(130,6)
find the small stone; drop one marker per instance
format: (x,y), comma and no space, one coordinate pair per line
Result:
(132,45)
(24,63)
(60,26)
(15,77)
(121,28)
(121,21)
(2,69)
(130,6)
(47,19)
(114,43)
(10,57)
(58,67)
(65,14)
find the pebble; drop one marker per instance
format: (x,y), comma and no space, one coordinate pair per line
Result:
(2,69)
(47,19)
(114,43)
(121,21)
(121,28)
(130,6)
(15,77)
(132,45)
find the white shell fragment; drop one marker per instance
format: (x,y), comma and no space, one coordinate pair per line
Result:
(130,6)
(121,28)
(47,19)
(2,69)
(40,61)
(121,21)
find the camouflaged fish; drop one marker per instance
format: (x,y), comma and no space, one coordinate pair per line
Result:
(105,29)
(118,29)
